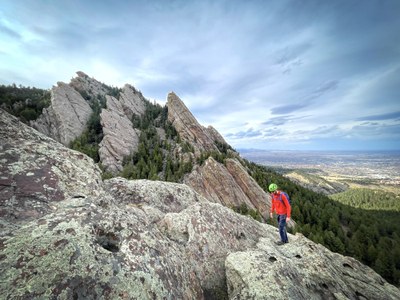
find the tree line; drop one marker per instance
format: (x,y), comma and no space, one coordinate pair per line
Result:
(369,199)
(157,159)
(26,103)
(88,142)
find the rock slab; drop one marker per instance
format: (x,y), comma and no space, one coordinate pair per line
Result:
(187,126)
(66,117)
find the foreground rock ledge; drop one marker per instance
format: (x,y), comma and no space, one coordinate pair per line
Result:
(301,270)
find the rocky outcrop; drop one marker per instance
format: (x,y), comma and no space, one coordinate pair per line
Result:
(132,102)
(256,195)
(215,135)
(120,139)
(69,112)
(36,172)
(187,126)
(89,86)
(301,270)
(65,234)
(94,249)
(229,185)
(214,182)
(66,117)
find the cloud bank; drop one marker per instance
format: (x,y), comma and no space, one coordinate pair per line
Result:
(266,74)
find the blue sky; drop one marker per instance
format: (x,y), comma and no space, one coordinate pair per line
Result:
(285,74)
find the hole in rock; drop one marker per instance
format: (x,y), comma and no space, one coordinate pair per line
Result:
(324,286)
(298,256)
(240,235)
(347,266)
(272,259)
(108,240)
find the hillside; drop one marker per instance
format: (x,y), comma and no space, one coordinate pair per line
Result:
(369,199)
(128,136)
(314,182)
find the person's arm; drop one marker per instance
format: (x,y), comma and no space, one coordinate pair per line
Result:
(271,212)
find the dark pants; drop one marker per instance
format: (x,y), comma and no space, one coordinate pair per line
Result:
(282,228)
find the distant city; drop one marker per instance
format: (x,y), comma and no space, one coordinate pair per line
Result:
(381,167)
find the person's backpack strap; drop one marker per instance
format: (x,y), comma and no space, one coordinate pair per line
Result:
(287,197)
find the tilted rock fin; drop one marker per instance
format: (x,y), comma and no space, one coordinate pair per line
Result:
(229,185)
(67,115)
(120,139)
(187,126)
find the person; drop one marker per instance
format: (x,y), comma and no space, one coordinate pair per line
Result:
(281,206)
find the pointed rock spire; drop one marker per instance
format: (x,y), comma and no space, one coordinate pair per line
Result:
(187,126)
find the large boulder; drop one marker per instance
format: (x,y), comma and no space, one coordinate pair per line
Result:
(36,172)
(94,248)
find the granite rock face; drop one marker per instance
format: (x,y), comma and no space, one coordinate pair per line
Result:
(94,248)
(66,117)
(256,195)
(229,185)
(215,135)
(65,234)
(90,86)
(119,137)
(69,112)
(36,172)
(132,101)
(187,126)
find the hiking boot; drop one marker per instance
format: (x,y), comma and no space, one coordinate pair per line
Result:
(279,243)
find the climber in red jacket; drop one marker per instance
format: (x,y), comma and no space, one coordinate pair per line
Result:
(281,206)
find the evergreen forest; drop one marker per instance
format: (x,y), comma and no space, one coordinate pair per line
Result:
(26,103)
(369,199)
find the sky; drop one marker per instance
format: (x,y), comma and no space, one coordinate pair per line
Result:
(273,75)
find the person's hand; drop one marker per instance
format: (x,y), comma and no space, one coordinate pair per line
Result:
(271,215)
(287,219)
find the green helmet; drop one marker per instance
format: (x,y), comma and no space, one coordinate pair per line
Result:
(272,187)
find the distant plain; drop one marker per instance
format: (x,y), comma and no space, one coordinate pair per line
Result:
(337,172)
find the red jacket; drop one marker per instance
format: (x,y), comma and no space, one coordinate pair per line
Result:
(280,207)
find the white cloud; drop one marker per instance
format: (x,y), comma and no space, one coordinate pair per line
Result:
(259,72)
